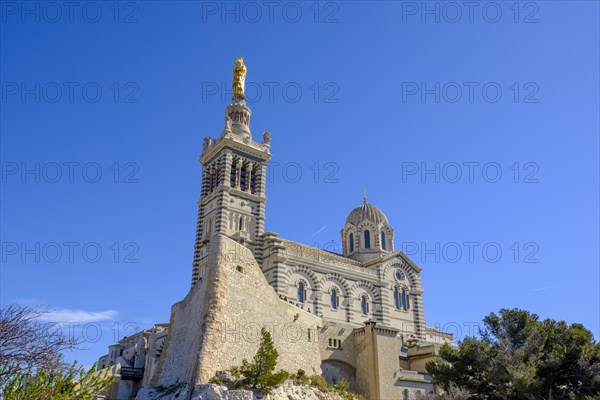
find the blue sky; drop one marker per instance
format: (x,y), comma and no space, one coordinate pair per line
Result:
(474,130)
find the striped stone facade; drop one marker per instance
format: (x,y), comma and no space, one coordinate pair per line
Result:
(233,190)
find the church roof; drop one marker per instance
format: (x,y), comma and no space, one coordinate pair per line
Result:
(366,211)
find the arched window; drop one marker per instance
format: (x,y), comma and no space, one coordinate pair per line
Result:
(233,175)
(351,243)
(383,240)
(367,239)
(244,177)
(241,224)
(404,300)
(364,304)
(301,292)
(396,298)
(253,180)
(335,299)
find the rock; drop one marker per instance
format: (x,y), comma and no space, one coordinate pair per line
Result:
(220,392)
(172,393)
(287,391)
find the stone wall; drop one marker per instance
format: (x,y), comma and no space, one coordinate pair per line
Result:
(338,353)
(365,368)
(186,337)
(388,358)
(378,368)
(218,324)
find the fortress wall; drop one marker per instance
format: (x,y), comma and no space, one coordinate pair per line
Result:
(395,383)
(179,357)
(248,304)
(365,369)
(388,352)
(218,323)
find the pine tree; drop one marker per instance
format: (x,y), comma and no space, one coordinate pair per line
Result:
(520,357)
(258,374)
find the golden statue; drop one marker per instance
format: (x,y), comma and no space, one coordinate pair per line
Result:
(239,77)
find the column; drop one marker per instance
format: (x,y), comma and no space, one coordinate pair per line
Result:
(227,169)
(238,180)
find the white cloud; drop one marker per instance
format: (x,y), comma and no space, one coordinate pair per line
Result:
(65,315)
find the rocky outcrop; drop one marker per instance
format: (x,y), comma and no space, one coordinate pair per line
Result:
(287,391)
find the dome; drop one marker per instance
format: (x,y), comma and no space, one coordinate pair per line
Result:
(366,211)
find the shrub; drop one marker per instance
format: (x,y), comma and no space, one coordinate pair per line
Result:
(217,380)
(53,383)
(300,378)
(319,382)
(235,372)
(342,387)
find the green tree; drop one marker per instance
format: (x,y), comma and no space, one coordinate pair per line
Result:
(259,374)
(31,363)
(57,383)
(519,357)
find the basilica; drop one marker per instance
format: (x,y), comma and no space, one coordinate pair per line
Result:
(356,316)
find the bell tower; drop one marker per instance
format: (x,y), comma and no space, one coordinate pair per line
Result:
(232,197)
